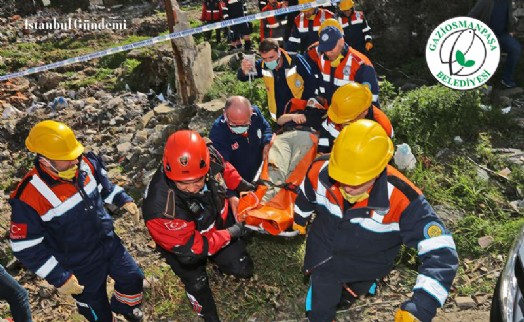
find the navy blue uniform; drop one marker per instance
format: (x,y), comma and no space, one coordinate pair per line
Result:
(60,228)
(356,244)
(243,151)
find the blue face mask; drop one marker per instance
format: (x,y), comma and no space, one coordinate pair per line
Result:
(271,65)
(240,129)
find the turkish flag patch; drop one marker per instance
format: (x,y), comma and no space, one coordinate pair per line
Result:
(175,225)
(234,146)
(18,231)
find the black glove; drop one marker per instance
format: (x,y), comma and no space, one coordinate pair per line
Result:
(237,230)
(245,186)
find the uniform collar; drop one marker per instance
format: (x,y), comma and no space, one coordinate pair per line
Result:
(47,176)
(378,196)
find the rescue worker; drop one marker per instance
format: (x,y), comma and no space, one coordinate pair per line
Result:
(61,230)
(286,76)
(290,18)
(357,33)
(190,219)
(338,64)
(365,210)
(498,15)
(350,103)
(305,28)
(242,136)
(211,13)
(237,9)
(274,26)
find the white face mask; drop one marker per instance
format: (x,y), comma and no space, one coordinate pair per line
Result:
(271,65)
(239,129)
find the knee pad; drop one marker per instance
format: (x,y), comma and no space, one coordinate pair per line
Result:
(201,284)
(243,267)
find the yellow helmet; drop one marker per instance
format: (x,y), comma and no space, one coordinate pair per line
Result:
(345,5)
(348,102)
(330,22)
(54,140)
(304,2)
(360,153)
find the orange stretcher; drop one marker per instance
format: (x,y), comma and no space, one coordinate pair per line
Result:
(276,215)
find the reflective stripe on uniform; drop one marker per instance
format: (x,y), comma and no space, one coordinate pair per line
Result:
(116,190)
(302,213)
(323,142)
(18,246)
(374,226)
(432,287)
(433,243)
(291,71)
(71,202)
(321,196)
(48,266)
(130,300)
(266,73)
(45,191)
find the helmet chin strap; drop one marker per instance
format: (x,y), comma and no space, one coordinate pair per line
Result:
(47,163)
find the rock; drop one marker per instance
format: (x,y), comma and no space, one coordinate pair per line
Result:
(163,108)
(448,215)
(202,70)
(123,138)
(141,136)
(481,298)
(92,101)
(485,241)
(515,156)
(229,62)
(123,147)
(465,302)
(214,107)
(517,205)
(482,174)
(503,101)
(114,102)
(49,80)
(146,118)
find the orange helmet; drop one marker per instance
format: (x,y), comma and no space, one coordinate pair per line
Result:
(186,156)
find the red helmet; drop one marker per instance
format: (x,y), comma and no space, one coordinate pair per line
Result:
(186,156)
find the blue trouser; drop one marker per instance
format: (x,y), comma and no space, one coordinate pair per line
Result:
(113,260)
(16,296)
(511,46)
(325,293)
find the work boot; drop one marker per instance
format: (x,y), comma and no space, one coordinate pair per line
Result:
(135,316)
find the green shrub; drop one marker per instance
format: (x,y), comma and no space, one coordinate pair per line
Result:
(429,118)
(387,93)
